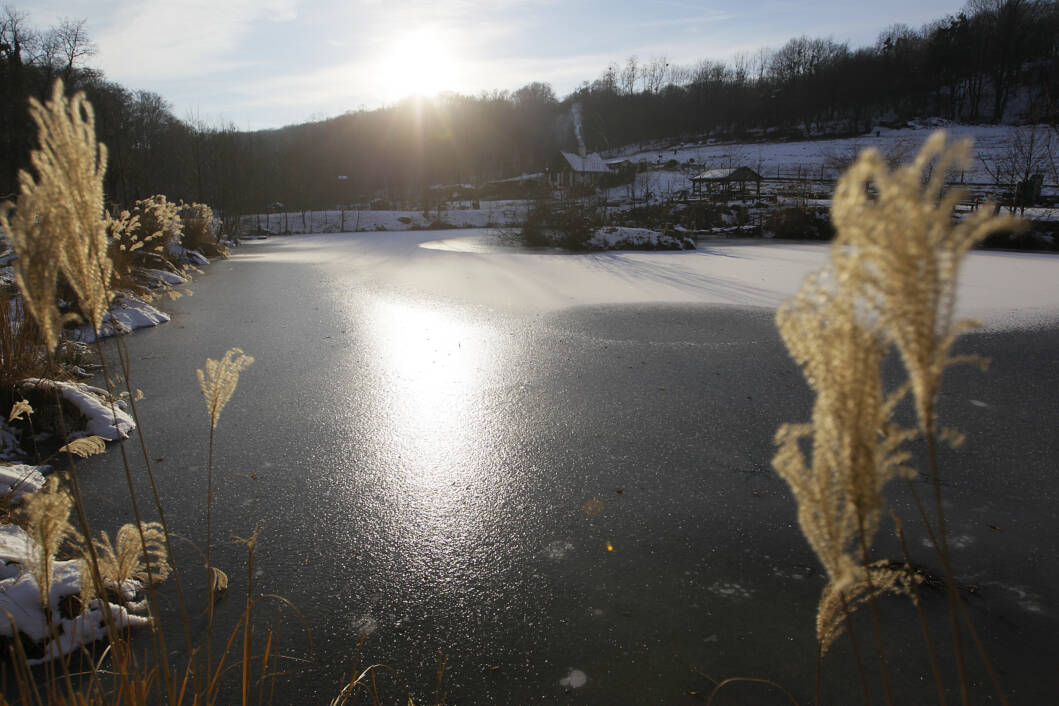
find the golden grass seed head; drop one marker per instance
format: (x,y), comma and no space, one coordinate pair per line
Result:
(219,380)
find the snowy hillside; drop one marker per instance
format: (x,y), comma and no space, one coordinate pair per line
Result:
(814,158)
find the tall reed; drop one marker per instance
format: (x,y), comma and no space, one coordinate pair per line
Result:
(890,285)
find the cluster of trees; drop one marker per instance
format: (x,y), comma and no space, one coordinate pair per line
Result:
(150,150)
(970,66)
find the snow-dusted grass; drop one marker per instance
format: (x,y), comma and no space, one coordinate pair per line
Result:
(619,238)
(101,417)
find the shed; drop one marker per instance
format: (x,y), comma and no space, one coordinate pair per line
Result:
(569,169)
(723,179)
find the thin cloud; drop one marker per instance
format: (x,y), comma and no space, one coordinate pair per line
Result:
(164,40)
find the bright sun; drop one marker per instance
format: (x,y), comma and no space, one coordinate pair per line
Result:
(419,63)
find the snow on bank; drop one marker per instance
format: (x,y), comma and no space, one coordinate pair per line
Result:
(492,213)
(126,314)
(101,416)
(18,480)
(622,238)
(21,605)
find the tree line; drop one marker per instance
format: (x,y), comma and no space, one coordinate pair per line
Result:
(996,60)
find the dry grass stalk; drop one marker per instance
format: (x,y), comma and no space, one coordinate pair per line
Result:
(47,522)
(18,409)
(22,348)
(58,224)
(219,380)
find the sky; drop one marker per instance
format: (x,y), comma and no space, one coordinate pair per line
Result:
(267,63)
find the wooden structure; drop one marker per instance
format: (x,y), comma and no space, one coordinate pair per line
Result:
(569,169)
(724,181)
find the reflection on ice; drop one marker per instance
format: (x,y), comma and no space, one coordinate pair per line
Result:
(442,486)
(432,364)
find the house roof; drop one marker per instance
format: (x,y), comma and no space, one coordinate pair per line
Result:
(590,163)
(731,174)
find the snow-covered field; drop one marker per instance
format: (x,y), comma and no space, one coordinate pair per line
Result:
(811,158)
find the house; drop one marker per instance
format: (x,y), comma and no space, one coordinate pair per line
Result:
(722,180)
(569,169)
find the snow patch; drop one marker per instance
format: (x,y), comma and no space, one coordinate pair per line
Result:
(557,550)
(18,480)
(20,601)
(9,445)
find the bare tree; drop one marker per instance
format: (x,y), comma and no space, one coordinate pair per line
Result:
(629,75)
(654,74)
(1029,155)
(15,37)
(73,45)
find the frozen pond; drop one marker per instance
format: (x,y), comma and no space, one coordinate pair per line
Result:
(556,469)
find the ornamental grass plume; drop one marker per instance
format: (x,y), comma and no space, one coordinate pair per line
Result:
(856,448)
(897,228)
(219,380)
(891,281)
(58,224)
(128,558)
(47,523)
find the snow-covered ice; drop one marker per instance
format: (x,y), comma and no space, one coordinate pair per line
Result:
(1002,289)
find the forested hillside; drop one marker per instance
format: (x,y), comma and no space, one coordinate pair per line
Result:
(996,61)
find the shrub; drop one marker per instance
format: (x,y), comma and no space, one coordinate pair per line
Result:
(198,232)
(569,227)
(23,353)
(800,223)
(158,221)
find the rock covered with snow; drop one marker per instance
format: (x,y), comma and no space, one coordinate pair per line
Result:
(9,441)
(103,417)
(126,314)
(157,279)
(622,238)
(179,253)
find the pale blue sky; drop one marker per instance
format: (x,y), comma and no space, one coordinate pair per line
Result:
(267,63)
